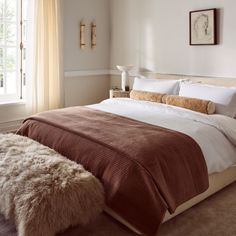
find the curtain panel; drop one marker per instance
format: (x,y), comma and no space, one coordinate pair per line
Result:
(45,64)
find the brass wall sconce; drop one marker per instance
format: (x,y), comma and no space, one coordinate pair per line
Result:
(82,34)
(93,35)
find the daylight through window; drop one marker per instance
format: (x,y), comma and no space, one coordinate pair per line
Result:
(12,49)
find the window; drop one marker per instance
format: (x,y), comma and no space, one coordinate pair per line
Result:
(12,50)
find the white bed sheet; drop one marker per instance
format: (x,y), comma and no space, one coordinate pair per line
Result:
(215,134)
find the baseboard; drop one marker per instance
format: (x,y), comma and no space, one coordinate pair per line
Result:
(10,126)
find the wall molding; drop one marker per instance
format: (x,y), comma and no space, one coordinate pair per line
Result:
(133,73)
(114,72)
(87,73)
(79,73)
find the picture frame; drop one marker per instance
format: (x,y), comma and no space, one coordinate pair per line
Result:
(202,27)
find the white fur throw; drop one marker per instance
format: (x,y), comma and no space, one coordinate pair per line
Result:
(42,191)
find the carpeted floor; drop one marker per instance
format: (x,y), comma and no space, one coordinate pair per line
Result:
(216,216)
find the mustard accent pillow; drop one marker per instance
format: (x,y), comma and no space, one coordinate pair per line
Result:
(193,104)
(146,96)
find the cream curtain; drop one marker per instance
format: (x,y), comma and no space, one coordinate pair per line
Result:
(44,73)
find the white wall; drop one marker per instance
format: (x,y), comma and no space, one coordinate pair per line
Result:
(86,90)
(87,59)
(154,35)
(11,116)
(83,90)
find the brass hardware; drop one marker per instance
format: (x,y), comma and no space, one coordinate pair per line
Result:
(93,35)
(82,35)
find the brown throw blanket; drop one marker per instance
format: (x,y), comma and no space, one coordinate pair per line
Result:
(145,169)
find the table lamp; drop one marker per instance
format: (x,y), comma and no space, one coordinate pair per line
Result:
(124,76)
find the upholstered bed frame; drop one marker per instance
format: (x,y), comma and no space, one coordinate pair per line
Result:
(217,181)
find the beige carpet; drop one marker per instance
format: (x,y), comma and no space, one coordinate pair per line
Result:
(215,216)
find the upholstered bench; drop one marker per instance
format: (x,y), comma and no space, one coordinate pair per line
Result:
(43,192)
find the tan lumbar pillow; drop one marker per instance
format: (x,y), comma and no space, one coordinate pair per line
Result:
(193,104)
(146,96)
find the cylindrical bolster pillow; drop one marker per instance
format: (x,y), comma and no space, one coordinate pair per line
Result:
(146,96)
(193,104)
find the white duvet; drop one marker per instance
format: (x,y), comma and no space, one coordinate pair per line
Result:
(215,134)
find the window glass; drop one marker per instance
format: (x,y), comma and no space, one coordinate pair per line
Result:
(11,82)
(2,34)
(2,59)
(2,5)
(11,10)
(11,34)
(12,75)
(11,58)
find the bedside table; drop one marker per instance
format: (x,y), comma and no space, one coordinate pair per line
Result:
(116,93)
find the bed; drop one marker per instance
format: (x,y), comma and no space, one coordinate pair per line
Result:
(214,135)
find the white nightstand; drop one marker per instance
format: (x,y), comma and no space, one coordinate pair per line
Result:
(116,93)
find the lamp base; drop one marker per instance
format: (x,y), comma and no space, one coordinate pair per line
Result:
(124,76)
(124,81)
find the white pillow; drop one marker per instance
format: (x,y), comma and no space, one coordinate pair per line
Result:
(223,97)
(156,85)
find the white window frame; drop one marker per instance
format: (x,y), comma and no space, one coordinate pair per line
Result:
(18,96)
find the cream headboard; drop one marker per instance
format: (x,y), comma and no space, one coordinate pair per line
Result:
(228,82)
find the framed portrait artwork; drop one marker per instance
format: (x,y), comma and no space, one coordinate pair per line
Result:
(202,27)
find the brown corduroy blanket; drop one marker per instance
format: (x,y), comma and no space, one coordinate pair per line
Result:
(145,169)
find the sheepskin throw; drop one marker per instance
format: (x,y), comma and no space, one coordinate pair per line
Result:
(146,96)
(193,104)
(43,192)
